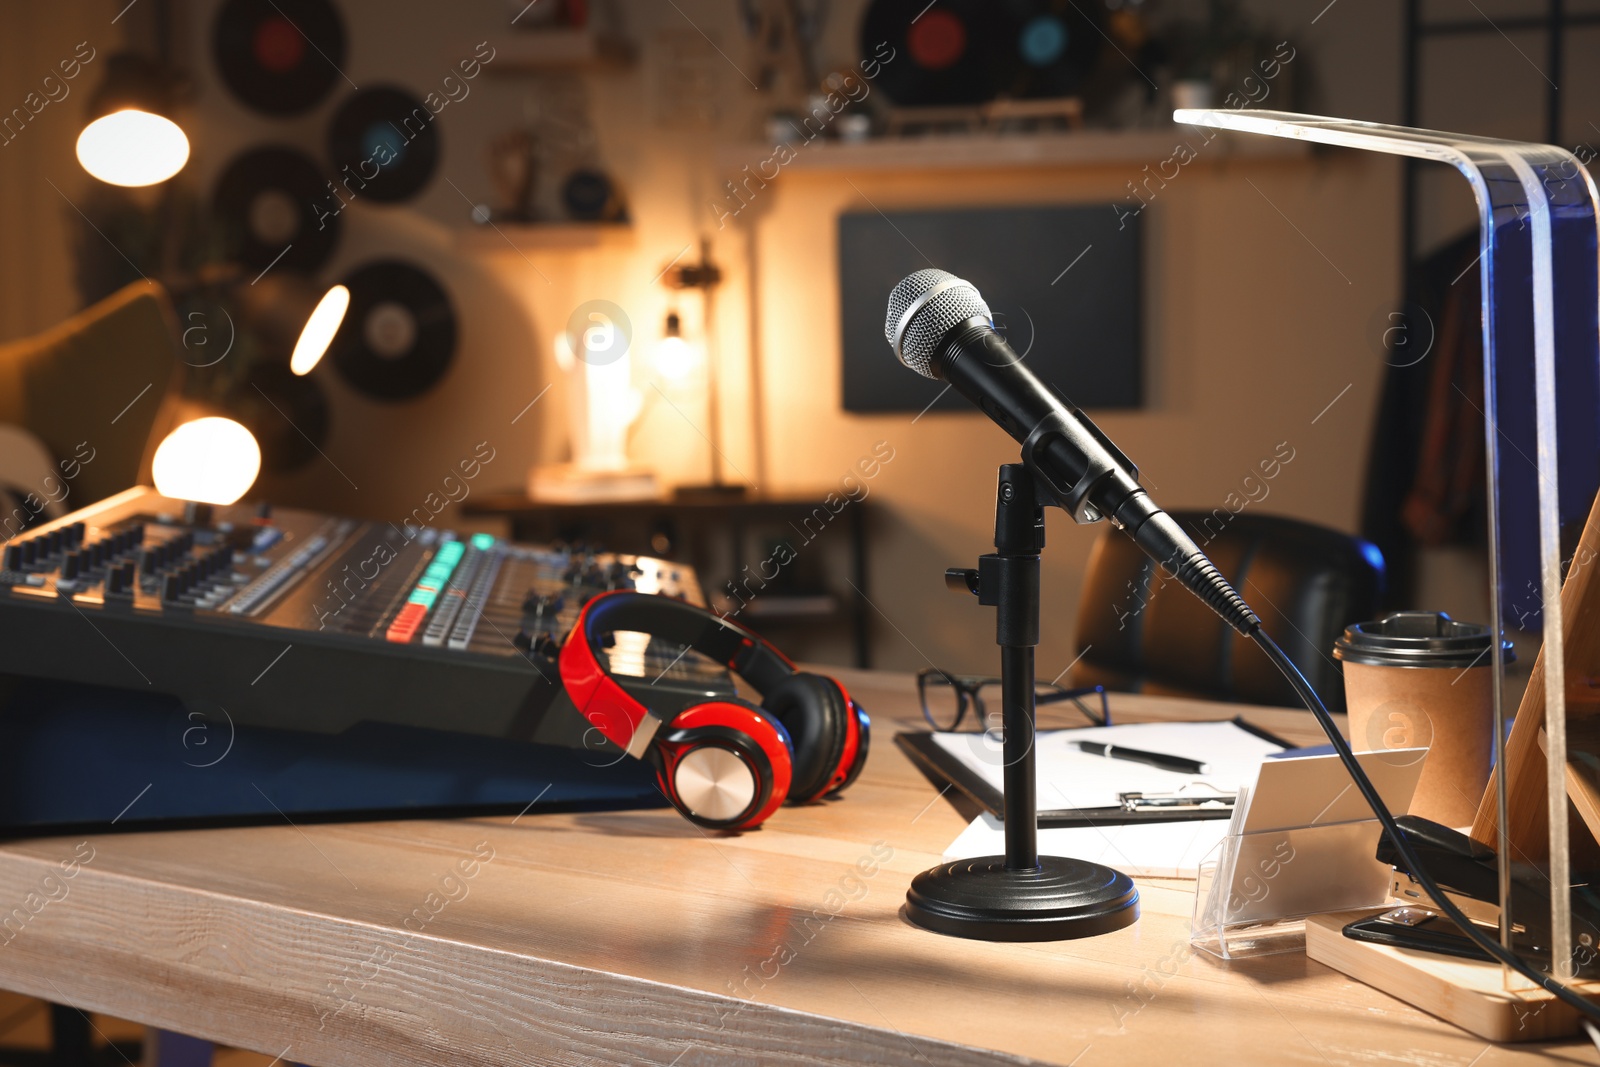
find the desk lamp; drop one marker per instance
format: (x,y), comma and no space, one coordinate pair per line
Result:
(675,358)
(210,459)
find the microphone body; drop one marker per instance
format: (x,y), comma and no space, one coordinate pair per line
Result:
(941,328)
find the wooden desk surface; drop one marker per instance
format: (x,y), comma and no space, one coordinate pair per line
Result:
(636,938)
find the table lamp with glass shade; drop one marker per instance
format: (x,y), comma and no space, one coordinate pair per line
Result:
(676,358)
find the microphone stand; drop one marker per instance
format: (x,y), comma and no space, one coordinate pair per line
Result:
(1020,896)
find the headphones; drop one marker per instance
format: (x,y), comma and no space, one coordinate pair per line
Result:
(726,764)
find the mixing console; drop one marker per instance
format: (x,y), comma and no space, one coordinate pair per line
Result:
(296,621)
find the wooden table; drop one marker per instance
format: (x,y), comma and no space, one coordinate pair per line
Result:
(636,938)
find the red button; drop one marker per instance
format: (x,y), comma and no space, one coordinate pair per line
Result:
(405,624)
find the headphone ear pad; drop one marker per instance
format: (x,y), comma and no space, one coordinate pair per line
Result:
(815,712)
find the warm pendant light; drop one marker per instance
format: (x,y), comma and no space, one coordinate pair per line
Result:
(131,140)
(132,148)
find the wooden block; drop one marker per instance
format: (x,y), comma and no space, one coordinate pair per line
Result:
(1469,994)
(1527,821)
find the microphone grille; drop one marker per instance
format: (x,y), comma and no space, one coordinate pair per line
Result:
(936,301)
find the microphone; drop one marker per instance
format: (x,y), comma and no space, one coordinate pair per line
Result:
(940,327)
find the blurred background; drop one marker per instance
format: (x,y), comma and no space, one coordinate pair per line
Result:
(614,249)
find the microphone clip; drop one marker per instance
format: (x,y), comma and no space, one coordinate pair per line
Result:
(1088,444)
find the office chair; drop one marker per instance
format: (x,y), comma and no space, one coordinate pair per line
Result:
(1138,631)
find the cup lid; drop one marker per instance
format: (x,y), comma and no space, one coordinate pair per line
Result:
(1418,639)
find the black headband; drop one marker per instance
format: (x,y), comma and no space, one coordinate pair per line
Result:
(742,650)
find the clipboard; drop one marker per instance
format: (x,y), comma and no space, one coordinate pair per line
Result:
(937,762)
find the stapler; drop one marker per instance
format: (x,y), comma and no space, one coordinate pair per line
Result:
(1467,872)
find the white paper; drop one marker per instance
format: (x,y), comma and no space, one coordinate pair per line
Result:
(1069,778)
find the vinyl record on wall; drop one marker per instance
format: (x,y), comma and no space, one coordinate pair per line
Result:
(955,52)
(288,414)
(384,144)
(279,56)
(266,203)
(399,334)
(1055,48)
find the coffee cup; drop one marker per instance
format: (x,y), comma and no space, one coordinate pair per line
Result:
(1420,679)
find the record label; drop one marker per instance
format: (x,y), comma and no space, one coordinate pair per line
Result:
(959,52)
(280,57)
(1057,45)
(384,143)
(265,204)
(399,335)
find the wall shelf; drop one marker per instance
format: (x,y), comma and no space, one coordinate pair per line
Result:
(536,51)
(973,151)
(544,236)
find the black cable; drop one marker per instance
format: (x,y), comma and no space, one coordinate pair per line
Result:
(1403,846)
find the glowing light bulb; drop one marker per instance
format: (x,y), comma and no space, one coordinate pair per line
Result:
(674,358)
(319,330)
(132,147)
(211,460)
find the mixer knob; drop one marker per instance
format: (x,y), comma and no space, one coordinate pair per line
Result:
(71,566)
(76,531)
(30,552)
(171,587)
(13,557)
(114,581)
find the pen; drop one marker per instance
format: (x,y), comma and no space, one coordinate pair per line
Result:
(1135,755)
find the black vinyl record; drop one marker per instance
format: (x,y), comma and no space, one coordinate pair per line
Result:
(274,209)
(399,335)
(279,56)
(951,53)
(1056,45)
(384,143)
(287,413)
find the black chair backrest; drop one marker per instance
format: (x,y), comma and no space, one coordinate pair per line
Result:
(1140,631)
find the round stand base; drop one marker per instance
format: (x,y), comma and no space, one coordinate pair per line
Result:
(1061,900)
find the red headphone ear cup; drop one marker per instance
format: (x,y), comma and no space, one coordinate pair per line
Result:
(723,765)
(820,721)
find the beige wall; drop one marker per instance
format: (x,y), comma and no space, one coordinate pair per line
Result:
(1251,334)
(37,221)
